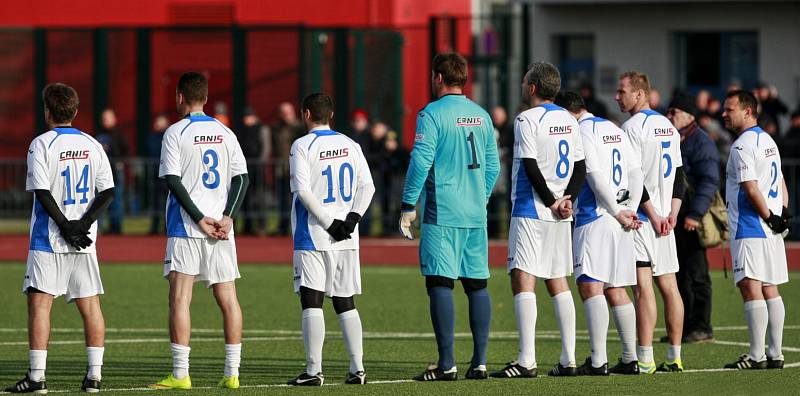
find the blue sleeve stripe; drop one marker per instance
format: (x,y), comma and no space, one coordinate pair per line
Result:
(302,235)
(175,226)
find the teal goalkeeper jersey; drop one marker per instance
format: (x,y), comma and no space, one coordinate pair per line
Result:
(454,163)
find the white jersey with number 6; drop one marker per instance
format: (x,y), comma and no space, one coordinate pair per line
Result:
(332,167)
(205,155)
(72,166)
(659,143)
(609,152)
(550,135)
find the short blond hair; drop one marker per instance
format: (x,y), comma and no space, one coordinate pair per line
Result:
(638,81)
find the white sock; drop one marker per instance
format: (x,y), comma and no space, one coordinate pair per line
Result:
(645,353)
(757,315)
(565,315)
(673,353)
(38,363)
(525,308)
(233,358)
(313,338)
(350,322)
(777,313)
(180,360)
(95,356)
(625,319)
(597,321)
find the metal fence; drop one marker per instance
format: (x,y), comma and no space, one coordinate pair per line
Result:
(267,207)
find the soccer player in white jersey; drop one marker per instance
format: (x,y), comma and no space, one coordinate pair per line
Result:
(658,141)
(548,173)
(332,188)
(757,217)
(205,170)
(603,239)
(70,176)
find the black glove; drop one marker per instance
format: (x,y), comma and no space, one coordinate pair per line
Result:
(787,217)
(351,221)
(338,231)
(776,223)
(74,233)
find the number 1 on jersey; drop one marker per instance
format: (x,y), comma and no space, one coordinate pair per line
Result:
(471,140)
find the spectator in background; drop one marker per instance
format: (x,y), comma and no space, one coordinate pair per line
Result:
(504,134)
(655,101)
(794,125)
(284,132)
(375,152)
(791,143)
(396,161)
(593,105)
(157,185)
(254,138)
(701,166)
(221,113)
(772,107)
(117,149)
(359,127)
(722,139)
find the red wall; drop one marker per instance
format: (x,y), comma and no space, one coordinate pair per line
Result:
(410,17)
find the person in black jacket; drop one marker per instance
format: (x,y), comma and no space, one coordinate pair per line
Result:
(701,165)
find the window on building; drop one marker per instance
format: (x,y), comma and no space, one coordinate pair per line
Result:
(713,60)
(575,55)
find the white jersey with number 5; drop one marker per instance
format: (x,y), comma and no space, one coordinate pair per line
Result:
(332,167)
(659,143)
(550,135)
(205,155)
(609,152)
(72,166)
(754,156)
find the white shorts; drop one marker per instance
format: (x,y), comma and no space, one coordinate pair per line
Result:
(335,272)
(661,252)
(761,259)
(208,260)
(73,275)
(540,248)
(604,251)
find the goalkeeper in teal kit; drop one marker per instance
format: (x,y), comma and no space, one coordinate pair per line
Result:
(454,165)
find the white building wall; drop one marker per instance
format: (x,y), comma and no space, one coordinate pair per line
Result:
(639,36)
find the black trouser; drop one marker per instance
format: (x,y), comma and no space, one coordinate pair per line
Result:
(694,283)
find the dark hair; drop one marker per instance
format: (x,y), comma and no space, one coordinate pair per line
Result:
(320,106)
(746,100)
(570,101)
(453,68)
(61,102)
(194,87)
(546,78)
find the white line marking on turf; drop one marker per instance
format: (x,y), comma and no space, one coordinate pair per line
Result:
(296,332)
(745,344)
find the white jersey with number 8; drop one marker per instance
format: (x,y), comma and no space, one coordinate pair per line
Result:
(205,155)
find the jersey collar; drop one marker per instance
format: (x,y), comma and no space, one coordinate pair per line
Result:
(585,116)
(325,127)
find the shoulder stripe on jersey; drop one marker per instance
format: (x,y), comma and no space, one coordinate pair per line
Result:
(319,133)
(66,131)
(648,113)
(548,107)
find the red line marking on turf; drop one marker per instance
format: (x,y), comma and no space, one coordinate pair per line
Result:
(278,250)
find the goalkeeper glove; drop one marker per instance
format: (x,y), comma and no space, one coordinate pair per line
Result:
(406,218)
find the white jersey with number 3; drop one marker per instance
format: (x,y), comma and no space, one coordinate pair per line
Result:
(72,166)
(205,155)
(659,143)
(550,135)
(331,166)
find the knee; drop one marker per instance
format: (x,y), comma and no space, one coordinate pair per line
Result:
(438,281)
(343,304)
(472,285)
(310,298)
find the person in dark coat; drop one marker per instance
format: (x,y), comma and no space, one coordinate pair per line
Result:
(701,167)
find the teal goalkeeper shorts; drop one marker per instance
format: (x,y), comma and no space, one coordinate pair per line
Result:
(454,252)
